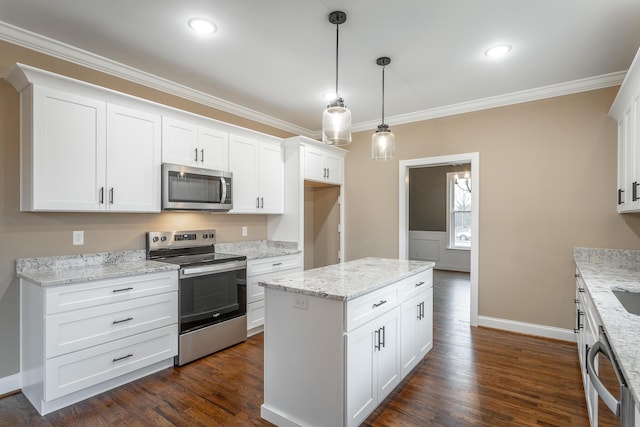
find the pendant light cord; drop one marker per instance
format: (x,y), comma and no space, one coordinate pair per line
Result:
(337,47)
(383,67)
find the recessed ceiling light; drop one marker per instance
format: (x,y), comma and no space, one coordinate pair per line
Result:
(202,26)
(497,51)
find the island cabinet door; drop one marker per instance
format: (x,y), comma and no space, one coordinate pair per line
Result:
(416,329)
(373,365)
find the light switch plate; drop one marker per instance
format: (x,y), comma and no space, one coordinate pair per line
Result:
(244,231)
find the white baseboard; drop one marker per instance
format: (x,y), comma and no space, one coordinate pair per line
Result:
(451,268)
(527,328)
(10,383)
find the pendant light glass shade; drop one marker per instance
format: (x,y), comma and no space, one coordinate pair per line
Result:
(336,119)
(383,142)
(336,124)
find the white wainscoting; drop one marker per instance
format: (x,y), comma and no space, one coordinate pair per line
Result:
(432,246)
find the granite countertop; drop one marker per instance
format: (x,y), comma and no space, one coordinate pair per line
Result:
(603,271)
(65,270)
(256,249)
(348,280)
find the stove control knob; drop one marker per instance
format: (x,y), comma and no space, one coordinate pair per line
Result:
(155,239)
(205,236)
(163,238)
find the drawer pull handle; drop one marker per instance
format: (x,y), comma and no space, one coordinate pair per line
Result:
(580,289)
(419,284)
(123,357)
(122,290)
(384,301)
(276,264)
(115,322)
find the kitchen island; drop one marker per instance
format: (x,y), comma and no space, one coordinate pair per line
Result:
(339,339)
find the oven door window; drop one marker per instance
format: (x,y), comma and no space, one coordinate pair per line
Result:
(188,187)
(211,298)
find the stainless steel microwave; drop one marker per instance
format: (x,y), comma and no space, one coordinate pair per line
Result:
(187,188)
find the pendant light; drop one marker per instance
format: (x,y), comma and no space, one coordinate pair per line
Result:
(383,142)
(336,119)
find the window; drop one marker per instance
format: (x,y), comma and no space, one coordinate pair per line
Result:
(459,209)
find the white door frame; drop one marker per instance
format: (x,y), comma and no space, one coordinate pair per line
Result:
(403,229)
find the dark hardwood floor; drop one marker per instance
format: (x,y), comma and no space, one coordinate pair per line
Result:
(472,377)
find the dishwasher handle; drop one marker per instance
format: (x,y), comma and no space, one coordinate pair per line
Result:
(609,399)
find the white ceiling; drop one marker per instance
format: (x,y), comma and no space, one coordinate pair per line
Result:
(277,57)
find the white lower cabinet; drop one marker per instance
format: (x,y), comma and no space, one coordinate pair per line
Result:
(331,363)
(260,269)
(82,339)
(417,329)
(373,365)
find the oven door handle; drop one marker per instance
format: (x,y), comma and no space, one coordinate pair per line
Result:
(609,399)
(212,269)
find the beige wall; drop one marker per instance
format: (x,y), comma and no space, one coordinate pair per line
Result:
(428,197)
(321,220)
(547,184)
(26,234)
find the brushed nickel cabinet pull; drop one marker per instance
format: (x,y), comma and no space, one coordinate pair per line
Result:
(122,290)
(379,304)
(123,357)
(115,322)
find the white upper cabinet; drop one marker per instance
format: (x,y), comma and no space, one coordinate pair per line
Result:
(258,175)
(321,164)
(188,144)
(62,151)
(626,110)
(82,150)
(133,160)
(81,154)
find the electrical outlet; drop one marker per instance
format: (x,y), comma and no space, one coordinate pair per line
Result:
(301,302)
(244,231)
(78,237)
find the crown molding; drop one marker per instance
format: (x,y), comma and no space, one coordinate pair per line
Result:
(56,49)
(568,88)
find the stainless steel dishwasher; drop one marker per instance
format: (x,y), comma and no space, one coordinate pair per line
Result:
(610,384)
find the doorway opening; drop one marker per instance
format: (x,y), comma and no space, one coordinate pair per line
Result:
(467,158)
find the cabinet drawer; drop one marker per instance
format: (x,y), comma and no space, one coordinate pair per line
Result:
(90,294)
(255,292)
(76,330)
(255,314)
(273,265)
(415,284)
(367,307)
(75,371)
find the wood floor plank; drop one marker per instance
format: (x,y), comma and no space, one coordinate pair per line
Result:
(472,377)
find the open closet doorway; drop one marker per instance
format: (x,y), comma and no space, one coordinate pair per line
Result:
(473,159)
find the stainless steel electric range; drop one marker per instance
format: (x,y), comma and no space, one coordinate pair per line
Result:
(212,291)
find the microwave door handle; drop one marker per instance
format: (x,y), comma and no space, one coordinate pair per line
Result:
(609,399)
(223,182)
